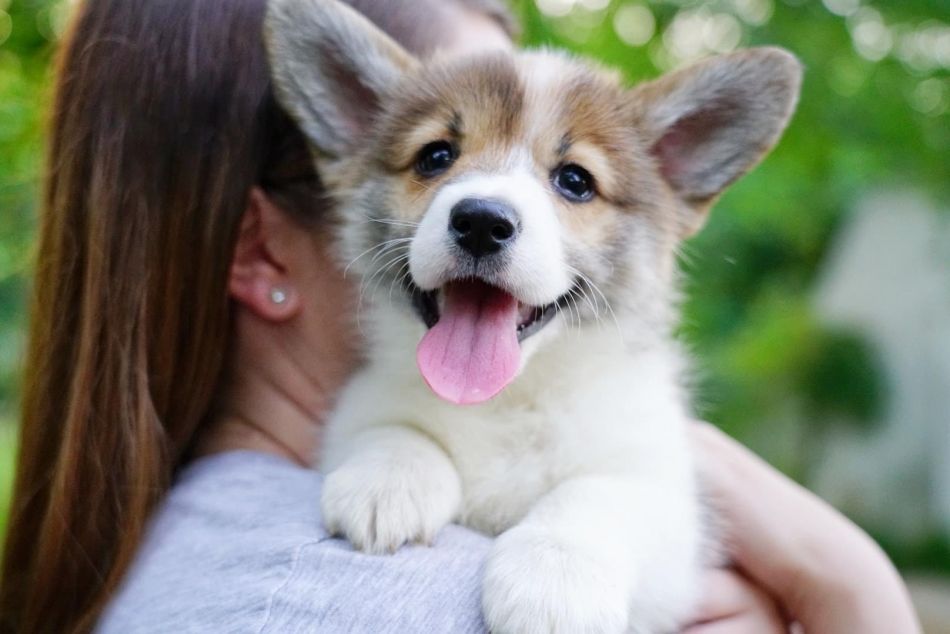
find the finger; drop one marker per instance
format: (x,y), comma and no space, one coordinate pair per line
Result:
(743,624)
(724,594)
(734,605)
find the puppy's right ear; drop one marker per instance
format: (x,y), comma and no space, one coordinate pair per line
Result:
(332,69)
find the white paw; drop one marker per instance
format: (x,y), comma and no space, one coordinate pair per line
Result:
(535,583)
(380,501)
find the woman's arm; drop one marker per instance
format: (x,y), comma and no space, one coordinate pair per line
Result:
(821,570)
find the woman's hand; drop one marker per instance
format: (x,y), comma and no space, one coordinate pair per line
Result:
(795,555)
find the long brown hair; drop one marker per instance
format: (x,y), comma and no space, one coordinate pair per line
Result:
(162,121)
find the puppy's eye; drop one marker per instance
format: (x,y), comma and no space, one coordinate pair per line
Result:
(435,158)
(574,183)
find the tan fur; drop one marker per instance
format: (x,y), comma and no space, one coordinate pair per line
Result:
(497,110)
(545,109)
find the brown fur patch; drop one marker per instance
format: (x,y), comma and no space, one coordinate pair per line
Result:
(579,114)
(497,110)
(476,103)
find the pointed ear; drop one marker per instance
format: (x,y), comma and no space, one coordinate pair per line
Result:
(709,124)
(332,69)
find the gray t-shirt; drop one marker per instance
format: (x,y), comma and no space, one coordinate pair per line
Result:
(238,546)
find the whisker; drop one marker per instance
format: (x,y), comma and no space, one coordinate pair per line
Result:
(391,245)
(380,274)
(577,310)
(420,184)
(596,289)
(570,315)
(381,269)
(397,265)
(587,300)
(364,286)
(399,278)
(381,245)
(394,222)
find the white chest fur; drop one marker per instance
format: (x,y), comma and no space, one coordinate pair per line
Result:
(585,452)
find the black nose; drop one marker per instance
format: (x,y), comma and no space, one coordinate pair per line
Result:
(483,227)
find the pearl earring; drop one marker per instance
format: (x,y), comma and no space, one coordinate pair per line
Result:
(278,295)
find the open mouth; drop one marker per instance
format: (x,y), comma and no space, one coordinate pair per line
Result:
(531,319)
(473,347)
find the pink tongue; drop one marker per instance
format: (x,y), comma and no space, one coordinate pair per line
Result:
(472,353)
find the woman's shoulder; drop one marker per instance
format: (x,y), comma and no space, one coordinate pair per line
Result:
(238,546)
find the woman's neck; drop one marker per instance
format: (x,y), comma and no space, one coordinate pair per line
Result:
(282,382)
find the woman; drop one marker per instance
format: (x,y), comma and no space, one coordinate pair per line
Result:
(190,327)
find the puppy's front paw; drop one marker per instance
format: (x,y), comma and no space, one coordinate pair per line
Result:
(380,502)
(535,583)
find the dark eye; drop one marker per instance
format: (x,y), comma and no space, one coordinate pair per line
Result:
(574,183)
(435,158)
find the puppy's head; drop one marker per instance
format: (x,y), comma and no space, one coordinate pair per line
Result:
(502,197)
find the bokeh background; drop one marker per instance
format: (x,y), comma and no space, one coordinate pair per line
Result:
(818,296)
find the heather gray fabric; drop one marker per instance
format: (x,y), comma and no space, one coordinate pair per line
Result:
(238,546)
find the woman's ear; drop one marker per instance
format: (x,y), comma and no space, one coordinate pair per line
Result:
(259,278)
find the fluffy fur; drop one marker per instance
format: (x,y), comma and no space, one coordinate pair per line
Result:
(581,466)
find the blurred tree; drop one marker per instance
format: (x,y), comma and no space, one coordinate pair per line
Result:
(27,29)
(873,114)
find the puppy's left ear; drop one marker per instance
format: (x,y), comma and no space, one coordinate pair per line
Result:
(710,123)
(332,69)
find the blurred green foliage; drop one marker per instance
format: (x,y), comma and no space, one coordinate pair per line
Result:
(873,115)
(26,30)
(862,125)
(7,454)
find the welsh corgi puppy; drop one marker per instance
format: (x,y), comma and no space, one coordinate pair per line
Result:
(514,220)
